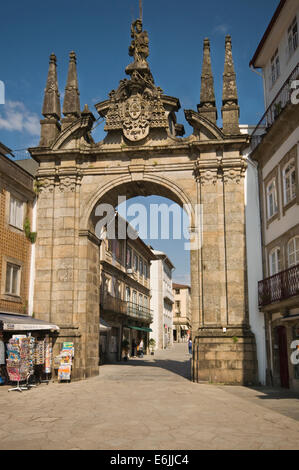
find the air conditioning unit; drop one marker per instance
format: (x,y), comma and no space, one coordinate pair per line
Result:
(129,271)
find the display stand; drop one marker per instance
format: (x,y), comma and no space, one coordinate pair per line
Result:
(18,388)
(28,385)
(47,380)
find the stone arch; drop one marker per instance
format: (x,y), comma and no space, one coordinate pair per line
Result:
(152,185)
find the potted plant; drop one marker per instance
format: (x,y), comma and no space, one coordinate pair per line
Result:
(152,345)
(125,347)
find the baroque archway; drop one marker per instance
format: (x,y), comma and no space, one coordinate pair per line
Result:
(144,153)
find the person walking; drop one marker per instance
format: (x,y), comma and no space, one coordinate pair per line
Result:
(141,345)
(134,348)
(190,345)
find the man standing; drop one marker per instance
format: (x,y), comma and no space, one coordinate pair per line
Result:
(190,345)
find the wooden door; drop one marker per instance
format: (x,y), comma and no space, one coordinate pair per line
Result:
(283,357)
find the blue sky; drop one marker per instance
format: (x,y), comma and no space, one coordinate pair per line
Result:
(99,32)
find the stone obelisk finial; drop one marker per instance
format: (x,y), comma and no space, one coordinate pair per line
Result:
(71,103)
(51,105)
(50,126)
(230,107)
(207,106)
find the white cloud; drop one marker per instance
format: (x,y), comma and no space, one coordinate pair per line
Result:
(221,29)
(16,117)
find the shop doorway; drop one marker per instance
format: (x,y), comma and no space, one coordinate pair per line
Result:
(283,357)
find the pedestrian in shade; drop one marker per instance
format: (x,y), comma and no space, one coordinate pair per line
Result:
(141,348)
(190,345)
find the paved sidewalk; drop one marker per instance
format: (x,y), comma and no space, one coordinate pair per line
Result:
(148,403)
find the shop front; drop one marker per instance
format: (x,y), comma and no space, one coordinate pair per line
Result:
(137,336)
(283,350)
(26,350)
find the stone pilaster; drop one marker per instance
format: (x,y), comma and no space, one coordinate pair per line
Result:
(224,348)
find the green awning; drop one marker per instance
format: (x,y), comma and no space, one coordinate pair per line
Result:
(140,329)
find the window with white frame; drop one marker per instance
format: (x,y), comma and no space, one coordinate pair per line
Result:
(13,279)
(293,252)
(275,67)
(274,261)
(272,199)
(293,37)
(16,213)
(289,182)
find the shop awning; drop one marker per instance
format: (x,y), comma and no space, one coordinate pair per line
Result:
(140,329)
(12,322)
(104,326)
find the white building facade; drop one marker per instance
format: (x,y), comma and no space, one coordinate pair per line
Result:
(162,300)
(275,148)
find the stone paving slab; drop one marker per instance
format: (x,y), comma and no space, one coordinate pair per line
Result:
(147,404)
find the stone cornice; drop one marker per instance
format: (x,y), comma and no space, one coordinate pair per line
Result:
(91,237)
(228,170)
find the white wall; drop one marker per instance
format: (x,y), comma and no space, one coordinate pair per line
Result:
(254,264)
(156,293)
(279,40)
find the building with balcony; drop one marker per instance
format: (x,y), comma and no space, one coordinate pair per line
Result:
(275,148)
(181,312)
(162,300)
(124,294)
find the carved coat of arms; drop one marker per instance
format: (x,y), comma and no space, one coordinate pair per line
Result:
(136,123)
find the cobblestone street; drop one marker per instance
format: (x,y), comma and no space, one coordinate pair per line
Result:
(148,403)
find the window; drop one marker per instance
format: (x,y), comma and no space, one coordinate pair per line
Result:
(293,252)
(117,289)
(134,297)
(136,262)
(289,182)
(274,262)
(117,249)
(128,294)
(129,258)
(275,67)
(16,213)
(13,278)
(145,267)
(272,199)
(293,37)
(140,300)
(177,291)
(141,267)
(178,305)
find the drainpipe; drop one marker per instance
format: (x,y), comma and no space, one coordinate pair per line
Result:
(32,261)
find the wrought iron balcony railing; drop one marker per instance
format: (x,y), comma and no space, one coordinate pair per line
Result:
(282,99)
(116,305)
(139,312)
(279,287)
(113,304)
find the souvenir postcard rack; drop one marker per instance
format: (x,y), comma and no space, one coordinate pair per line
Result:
(25,356)
(64,362)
